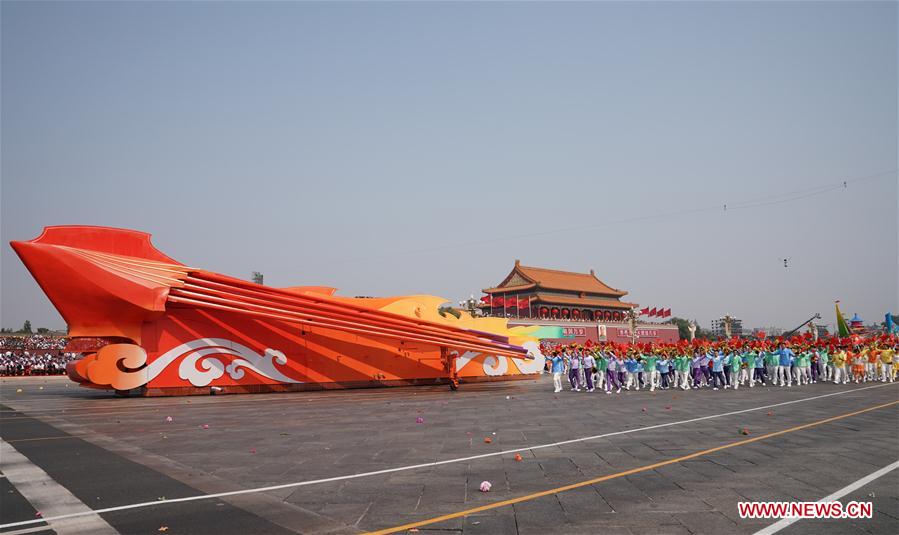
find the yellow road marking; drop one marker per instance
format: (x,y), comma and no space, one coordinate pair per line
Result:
(557,490)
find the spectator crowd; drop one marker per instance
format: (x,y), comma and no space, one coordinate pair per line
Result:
(34,355)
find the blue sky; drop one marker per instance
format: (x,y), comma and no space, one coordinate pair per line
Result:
(395,148)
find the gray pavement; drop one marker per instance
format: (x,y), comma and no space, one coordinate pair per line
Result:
(118,451)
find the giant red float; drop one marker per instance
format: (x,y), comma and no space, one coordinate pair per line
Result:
(149,324)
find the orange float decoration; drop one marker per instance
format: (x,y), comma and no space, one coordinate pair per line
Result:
(147,324)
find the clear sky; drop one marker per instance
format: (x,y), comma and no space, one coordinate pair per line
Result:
(396,148)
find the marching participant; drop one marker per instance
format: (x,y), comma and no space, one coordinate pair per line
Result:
(558,368)
(736,365)
(717,362)
(589,368)
(574,370)
(682,371)
(839,360)
(872,361)
(602,366)
(772,361)
(650,372)
(784,364)
(859,362)
(633,366)
(803,363)
(886,364)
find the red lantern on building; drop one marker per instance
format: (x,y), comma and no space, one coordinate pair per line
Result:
(554,313)
(566,313)
(576,314)
(617,316)
(544,312)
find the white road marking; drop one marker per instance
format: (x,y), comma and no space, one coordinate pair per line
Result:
(785,522)
(64,513)
(436,463)
(27,530)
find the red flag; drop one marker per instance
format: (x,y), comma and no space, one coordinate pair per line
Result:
(644,310)
(667,313)
(524,302)
(497,301)
(512,301)
(485,300)
(653,312)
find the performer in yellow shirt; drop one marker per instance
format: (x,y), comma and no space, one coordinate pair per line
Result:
(839,367)
(886,364)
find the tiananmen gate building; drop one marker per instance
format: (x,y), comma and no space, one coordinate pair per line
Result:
(585,307)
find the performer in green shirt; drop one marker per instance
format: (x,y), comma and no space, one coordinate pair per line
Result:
(602,366)
(771,362)
(682,371)
(650,373)
(736,364)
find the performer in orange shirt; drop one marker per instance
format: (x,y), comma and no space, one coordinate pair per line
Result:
(857,358)
(873,358)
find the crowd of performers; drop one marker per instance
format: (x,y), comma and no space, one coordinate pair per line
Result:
(800,360)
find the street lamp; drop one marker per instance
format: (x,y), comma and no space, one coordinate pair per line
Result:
(631,316)
(470,304)
(727,323)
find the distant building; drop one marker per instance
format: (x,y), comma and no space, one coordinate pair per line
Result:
(736,327)
(585,307)
(541,293)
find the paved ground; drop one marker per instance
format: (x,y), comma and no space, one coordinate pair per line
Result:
(111,452)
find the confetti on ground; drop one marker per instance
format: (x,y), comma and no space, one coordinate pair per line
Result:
(485,486)
(252,450)
(488,440)
(163,528)
(644,409)
(18,391)
(770,413)
(744,431)
(419,420)
(37,513)
(204,426)
(40,388)
(667,407)
(169,419)
(517,456)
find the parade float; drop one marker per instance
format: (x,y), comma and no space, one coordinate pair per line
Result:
(147,324)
